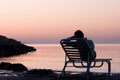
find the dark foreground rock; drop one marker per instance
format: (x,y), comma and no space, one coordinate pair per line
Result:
(11,47)
(40,72)
(18,67)
(48,74)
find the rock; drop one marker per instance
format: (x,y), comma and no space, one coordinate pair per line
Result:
(14,67)
(42,72)
(4,65)
(11,47)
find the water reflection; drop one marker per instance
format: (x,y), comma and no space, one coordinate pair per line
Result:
(51,56)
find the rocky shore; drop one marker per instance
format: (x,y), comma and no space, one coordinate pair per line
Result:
(44,74)
(11,47)
(20,72)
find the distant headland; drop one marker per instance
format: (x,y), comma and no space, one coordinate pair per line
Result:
(10,47)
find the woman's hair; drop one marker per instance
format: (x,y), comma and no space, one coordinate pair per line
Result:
(79,34)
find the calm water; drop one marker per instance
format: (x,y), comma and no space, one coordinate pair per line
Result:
(51,56)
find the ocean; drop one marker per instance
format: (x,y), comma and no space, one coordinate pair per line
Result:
(51,56)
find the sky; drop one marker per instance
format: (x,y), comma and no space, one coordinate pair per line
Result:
(49,21)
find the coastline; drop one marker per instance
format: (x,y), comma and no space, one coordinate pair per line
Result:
(53,75)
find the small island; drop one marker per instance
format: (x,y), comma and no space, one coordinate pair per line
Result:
(11,47)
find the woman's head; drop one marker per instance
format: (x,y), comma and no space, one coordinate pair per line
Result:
(79,34)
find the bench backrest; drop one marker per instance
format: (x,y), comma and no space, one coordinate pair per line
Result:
(76,49)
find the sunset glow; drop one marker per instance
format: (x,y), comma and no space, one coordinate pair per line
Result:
(48,21)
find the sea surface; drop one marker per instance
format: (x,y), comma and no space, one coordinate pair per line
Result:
(51,56)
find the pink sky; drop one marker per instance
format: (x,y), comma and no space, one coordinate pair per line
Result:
(48,21)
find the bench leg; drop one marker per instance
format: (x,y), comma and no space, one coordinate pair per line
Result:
(88,70)
(109,68)
(63,71)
